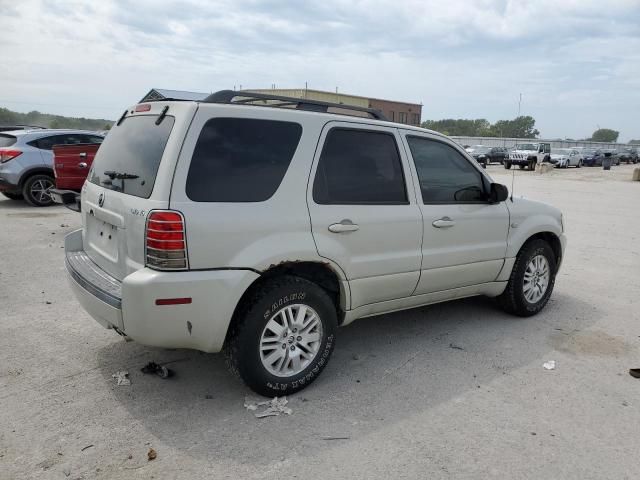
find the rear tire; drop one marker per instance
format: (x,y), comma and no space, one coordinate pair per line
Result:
(271,347)
(515,299)
(36,190)
(13,196)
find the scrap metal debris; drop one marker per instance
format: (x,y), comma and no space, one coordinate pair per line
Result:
(152,454)
(84,448)
(550,365)
(160,370)
(634,372)
(456,347)
(275,407)
(122,377)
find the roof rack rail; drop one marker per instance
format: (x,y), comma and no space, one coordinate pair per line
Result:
(250,98)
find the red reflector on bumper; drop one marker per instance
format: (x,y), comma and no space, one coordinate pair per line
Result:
(173,301)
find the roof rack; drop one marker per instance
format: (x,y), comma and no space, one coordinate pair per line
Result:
(244,97)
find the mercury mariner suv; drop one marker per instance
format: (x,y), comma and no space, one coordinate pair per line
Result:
(256,225)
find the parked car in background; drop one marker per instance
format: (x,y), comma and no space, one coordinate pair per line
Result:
(528,155)
(26,161)
(71,164)
(259,230)
(566,157)
(485,155)
(629,155)
(11,128)
(592,157)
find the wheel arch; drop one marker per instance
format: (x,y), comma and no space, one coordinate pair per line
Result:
(320,273)
(552,239)
(35,171)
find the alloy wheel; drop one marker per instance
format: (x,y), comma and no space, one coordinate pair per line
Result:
(290,340)
(41,190)
(536,279)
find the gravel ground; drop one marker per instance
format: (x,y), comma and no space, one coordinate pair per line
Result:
(455,390)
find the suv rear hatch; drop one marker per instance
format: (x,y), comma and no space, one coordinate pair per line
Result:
(130,176)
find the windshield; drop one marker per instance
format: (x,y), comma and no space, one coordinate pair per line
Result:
(130,155)
(526,146)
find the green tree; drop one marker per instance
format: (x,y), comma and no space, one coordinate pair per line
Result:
(459,127)
(520,127)
(605,135)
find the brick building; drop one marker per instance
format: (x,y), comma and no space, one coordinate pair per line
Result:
(401,112)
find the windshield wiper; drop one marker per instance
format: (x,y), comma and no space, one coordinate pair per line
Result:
(120,176)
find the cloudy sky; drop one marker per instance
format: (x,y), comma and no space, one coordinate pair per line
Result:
(576,62)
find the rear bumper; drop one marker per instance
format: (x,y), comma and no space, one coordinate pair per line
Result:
(130,305)
(68,198)
(7,186)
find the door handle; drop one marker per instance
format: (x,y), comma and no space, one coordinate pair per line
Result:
(82,165)
(344,226)
(82,155)
(444,222)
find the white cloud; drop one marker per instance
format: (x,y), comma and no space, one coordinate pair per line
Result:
(576,62)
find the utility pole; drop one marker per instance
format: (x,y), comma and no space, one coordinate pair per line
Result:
(519,103)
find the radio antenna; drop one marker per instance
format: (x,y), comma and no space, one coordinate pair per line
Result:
(513,179)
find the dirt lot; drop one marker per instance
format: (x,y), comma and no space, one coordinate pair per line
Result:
(455,390)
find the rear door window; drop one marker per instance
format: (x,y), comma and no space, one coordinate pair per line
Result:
(7,140)
(129,158)
(240,159)
(359,167)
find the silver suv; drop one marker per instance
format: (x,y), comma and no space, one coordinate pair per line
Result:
(26,161)
(257,225)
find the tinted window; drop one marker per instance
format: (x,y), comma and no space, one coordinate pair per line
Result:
(445,175)
(359,167)
(7,140)
(129,157)
(241,159)
(92,139)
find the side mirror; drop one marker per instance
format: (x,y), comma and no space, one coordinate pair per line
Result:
(499,193)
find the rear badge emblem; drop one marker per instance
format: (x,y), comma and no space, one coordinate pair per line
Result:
(101,199)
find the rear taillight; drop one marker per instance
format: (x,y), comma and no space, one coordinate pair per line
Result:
(166,241)
(7,154)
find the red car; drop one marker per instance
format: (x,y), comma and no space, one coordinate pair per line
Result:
(71,164)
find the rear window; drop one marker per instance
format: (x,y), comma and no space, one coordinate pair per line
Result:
(7,140)
(241,159)
(130,155)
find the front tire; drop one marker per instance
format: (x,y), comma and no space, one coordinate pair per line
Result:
(283,336)
(36,190)
(532,280)
(507,165)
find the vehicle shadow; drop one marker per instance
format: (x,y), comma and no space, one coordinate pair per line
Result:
(384,370)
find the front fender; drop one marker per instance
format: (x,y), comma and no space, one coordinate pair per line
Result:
(528,218)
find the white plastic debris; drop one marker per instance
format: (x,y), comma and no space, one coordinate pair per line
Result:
(275,407)
(122,377)
(550,365)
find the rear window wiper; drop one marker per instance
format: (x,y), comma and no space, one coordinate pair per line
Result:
(120,176)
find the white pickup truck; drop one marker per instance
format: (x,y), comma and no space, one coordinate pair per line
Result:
(528,155)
